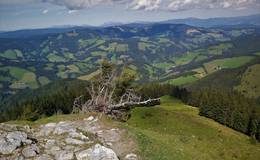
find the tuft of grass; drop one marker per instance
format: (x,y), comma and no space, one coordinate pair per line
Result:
(174,130)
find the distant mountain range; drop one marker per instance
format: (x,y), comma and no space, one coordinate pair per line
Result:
(216,22)
(253,20)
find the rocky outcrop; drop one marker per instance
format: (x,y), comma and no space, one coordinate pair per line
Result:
(97,152)
(83,139)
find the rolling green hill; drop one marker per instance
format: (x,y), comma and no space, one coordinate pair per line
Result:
(244,79)
(176,131)
(166,52)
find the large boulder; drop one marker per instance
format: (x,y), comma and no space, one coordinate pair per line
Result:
(30,151)
(97,152)
(12,141)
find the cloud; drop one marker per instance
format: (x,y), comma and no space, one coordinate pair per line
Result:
(79,4)
(145,4)
(178,5)
(45,11)
(72,11)
(148,5)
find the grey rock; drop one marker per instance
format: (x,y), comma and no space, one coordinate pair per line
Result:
(90,118)
(16,137)
(47,129)
(97,152)
(44,157)
(73,141)
(30,151)
(131,156)
(64,155)
(52,150)
(6,147)
(49,143)
(64,127)
(78,136)
(12,141)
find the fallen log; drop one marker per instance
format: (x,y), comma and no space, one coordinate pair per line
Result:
(129,105)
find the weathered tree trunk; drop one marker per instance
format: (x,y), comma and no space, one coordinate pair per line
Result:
(129,105)
(121,111)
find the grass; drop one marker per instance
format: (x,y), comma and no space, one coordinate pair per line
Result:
(173,130)
(250,84)
(43,80)
(227,63)
(55,118)
(183,80)
(164,65)
(89,76)
(55,58)
(176,131)
(184,59)
(9,54)
(143,46)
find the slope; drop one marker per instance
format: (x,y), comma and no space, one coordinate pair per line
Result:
(176,131)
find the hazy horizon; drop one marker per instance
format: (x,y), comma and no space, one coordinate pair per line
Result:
(31,14)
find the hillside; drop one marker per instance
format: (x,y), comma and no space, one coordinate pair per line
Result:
(171,130)
(154,52)
(244,79)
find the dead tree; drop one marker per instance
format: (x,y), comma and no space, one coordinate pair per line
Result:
(103,98)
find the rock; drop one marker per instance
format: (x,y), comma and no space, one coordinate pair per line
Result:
(30,151)
(12,141)
(6,147)
(45,130)
(64,127)
(49,143)
(110,135)
(52,150)
(44,157)
(64,155)
(97,152)
(16,137)
(90,118)
(131,156)
(73,141)
(8,127)
(78,135)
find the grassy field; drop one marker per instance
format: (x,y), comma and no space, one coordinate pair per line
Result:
(183,80)
(227,63)
(250,85)
(176,131)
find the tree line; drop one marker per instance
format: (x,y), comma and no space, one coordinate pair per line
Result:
(227,107)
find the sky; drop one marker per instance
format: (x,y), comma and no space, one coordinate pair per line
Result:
(27,14)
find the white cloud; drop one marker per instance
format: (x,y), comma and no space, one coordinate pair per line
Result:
(72,11)
(79,4)
(177,5)
(169,5)
(145,4)
(45,11)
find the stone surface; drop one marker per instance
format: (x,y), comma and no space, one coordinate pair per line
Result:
(64,155)
(64,127)
(64,140)
(44,157)
(131,156)
(73,141)
(78,136)
(12,141)
(97,152)
(47,129)
(30,151)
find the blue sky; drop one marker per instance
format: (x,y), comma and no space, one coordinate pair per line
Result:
(21,14)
